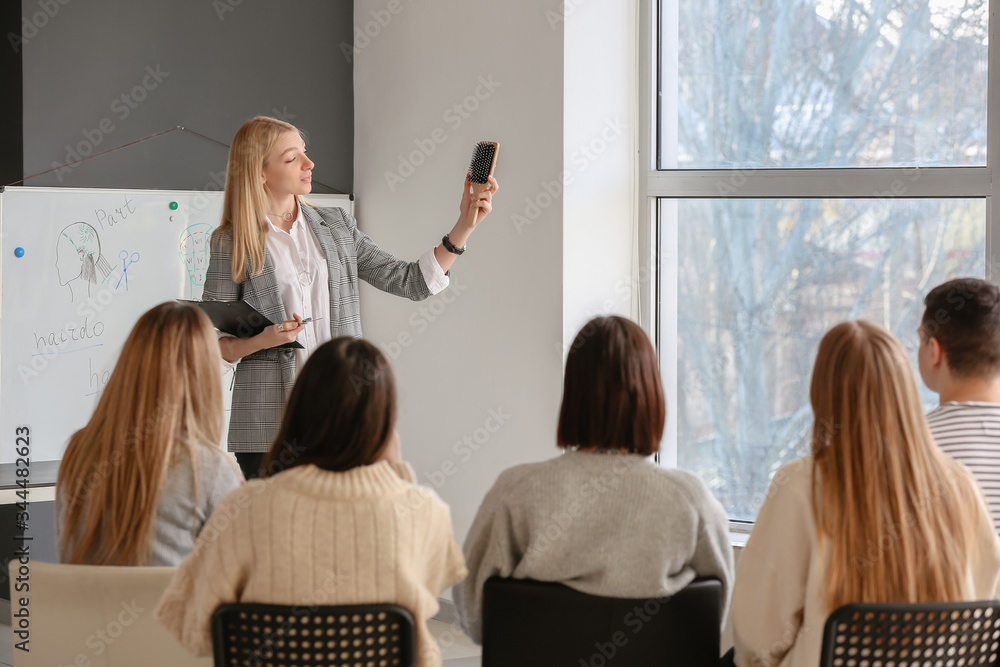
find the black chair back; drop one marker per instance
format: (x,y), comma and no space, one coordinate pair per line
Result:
(958,634)
(536,624)
(269,635)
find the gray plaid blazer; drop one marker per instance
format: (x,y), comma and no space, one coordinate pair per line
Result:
(264,379)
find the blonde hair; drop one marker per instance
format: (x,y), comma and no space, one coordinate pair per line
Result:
(245,205)
(895,509)
(165,392)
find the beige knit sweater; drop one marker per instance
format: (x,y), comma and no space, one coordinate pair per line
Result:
(778,609)
(309,536)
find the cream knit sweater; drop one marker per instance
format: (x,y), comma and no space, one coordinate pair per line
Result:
(778,609)
(309,536)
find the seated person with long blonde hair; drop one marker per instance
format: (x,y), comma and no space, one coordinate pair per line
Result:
(877,513)
(138,482)
(337,517)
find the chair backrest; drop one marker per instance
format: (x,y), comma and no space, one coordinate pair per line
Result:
(268,635)
(959,634)
(537,624)
(96,615)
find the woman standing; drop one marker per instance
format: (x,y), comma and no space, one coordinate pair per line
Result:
(139,481)
(299,266)
(878,513)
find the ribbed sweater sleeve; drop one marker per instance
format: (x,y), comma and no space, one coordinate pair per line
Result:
(713,552)
(771,586)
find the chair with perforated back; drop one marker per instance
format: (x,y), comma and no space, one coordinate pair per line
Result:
(269,635)
(952,634)
(538,624)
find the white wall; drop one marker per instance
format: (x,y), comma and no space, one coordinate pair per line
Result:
(528,280)
(496,345)
(599,161)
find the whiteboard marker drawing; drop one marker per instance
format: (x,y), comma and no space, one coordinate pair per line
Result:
(126,262)
(194,254)
(79,259)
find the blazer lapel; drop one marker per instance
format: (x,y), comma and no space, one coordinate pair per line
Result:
(266,297)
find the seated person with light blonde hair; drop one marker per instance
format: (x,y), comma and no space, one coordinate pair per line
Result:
(876,513)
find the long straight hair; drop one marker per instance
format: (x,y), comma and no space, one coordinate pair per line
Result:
(896,510)
(244,208)
(165,392)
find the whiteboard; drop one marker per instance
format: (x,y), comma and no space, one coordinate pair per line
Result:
(77,269)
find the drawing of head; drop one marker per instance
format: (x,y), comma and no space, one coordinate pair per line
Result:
(78,254)
(194,251)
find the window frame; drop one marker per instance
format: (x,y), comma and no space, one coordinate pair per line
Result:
(657,245)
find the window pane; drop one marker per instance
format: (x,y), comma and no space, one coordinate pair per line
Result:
(758,284)
(822,83)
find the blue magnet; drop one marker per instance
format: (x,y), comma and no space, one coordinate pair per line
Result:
(19,252)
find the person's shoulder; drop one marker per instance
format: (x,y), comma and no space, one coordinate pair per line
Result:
(217,463)
(221,237)
(694,485)
(792,484)
(522,472)
(334,214)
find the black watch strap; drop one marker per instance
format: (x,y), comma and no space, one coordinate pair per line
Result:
(450,247)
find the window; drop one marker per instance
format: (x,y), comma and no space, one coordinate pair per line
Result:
(810,161)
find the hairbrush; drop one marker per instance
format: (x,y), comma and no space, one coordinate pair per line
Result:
(484,161)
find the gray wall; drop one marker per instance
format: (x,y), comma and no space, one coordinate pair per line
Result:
(219,63)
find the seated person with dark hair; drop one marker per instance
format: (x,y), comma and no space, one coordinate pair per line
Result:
(337,519)
(601,518)
(960,360)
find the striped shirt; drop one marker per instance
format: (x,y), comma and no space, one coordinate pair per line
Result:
(970,434)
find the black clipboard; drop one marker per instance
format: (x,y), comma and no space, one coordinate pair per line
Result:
(240,319)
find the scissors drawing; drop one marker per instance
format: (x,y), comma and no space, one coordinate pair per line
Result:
(126,262)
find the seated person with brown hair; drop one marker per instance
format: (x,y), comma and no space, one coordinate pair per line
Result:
(601,518)
(960,360)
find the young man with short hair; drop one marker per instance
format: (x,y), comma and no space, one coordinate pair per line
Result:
(959,358)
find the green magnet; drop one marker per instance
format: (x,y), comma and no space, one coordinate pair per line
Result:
(173,206)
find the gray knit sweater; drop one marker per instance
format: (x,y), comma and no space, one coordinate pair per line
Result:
(181,512)
(615,525)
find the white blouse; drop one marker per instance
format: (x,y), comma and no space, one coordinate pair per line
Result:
(303,278)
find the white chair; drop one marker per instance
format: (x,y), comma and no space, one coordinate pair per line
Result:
(100,616)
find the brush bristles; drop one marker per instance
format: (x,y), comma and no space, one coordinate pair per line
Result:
(482,161)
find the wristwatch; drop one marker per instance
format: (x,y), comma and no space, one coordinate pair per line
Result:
(450,247)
